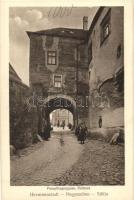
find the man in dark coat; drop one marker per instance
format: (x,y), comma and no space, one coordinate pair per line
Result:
(100,121)
(77,131)
(82,133)
(47,129)
(63,124)
(58,124)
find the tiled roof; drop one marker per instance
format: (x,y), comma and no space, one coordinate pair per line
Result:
(63,32)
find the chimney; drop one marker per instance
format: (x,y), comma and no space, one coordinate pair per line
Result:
(85,23)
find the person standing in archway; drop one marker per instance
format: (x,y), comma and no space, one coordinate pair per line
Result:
(58,124)
(100,121)
(63,124)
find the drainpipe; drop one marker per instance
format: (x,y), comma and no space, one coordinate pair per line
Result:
(77,63)
(77,77)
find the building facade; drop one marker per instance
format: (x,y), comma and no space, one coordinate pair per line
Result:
(16,87)
(58,69)
(106,67)
(81,70)
(22,130)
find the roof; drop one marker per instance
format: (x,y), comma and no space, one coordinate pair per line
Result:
(95,19)
(13,76)
(70,32)
(63,32)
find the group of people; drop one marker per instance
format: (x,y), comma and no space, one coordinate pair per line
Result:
(81,132)
(62,124)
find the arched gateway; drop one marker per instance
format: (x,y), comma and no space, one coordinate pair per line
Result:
(54,102)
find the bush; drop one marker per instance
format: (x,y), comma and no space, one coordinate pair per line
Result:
(23,124)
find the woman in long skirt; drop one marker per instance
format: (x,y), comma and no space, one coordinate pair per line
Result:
(82,133)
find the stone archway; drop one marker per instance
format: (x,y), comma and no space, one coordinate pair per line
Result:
(61,119)
(61,96)
(54,102)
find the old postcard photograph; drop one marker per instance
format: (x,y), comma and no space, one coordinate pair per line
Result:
(67,105)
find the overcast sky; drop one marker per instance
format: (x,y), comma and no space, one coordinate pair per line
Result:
(34,19)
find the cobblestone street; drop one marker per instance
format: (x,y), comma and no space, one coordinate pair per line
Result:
(63,161)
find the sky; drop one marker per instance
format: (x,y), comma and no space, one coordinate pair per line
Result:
(22,19)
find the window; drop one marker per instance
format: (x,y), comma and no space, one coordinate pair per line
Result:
(90,53)
(51,57)
(58,81)
(105,27)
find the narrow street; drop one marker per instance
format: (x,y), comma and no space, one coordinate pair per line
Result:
(63,161)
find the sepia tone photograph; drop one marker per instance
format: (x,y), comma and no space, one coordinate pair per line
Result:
(66,96)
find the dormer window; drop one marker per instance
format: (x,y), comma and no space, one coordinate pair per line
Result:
(51,58)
